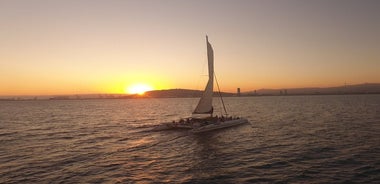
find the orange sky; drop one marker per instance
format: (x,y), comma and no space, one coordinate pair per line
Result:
(78,47)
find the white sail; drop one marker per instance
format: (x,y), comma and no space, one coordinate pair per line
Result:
(205,103)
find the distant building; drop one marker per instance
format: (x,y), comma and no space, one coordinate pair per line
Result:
(238,91)
(283,92)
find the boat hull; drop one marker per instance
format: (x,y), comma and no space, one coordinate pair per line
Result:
(220,125)
(171,126)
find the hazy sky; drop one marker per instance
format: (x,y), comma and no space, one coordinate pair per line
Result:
(78,46)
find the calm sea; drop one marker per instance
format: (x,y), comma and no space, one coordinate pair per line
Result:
(290,139)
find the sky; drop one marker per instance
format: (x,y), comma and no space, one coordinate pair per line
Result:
(51,47)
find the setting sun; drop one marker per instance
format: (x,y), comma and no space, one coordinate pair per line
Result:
(138,89)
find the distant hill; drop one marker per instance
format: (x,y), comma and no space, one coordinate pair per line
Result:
(178,93)
(169,93)
(367,88)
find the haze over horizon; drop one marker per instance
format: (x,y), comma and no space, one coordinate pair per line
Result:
(81,47)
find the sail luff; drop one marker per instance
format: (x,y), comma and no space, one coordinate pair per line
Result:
(205,102)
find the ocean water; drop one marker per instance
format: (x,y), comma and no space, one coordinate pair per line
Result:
(290,139)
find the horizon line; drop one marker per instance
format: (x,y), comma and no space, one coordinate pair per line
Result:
(126,94)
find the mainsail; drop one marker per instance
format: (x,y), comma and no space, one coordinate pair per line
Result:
(205,103)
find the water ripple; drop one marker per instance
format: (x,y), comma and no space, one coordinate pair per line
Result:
(300,139)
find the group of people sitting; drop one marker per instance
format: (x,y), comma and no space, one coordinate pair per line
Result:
(203,121)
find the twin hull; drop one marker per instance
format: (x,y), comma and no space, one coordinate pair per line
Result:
(219,125)
(203,128)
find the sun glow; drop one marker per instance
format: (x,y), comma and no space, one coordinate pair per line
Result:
(138,89)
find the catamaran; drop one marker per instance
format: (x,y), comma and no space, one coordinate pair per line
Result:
(202,119)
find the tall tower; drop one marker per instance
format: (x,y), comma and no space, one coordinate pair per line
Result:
(238,91)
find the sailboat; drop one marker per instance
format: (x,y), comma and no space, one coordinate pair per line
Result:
(202,119)
(205,107)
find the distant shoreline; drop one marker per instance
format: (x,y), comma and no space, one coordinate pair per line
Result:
(359,89)
(116,98)
(362,89)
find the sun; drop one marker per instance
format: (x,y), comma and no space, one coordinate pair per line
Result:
(138,89)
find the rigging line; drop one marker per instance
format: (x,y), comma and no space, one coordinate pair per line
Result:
(200,78)
(220,94)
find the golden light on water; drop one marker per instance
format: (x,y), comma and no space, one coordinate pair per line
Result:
(138,88)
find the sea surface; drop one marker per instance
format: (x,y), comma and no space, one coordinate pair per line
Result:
(290,139)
